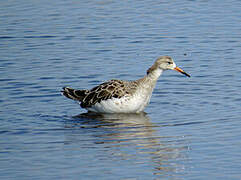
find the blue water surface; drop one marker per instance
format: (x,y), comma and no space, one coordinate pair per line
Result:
(191,129)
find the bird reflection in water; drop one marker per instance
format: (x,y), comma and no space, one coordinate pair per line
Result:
(134,137)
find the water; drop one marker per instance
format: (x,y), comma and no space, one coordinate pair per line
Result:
(191,129)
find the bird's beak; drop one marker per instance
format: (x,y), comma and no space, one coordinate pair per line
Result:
(181,71)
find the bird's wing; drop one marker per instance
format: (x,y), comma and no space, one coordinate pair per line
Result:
(107,90)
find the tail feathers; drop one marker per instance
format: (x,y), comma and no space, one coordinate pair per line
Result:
(77,95)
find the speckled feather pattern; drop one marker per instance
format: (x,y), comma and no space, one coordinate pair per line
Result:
(117,96)
(107,90)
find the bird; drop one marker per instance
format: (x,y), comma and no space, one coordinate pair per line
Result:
(119,96)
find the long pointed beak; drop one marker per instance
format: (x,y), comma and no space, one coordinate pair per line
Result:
(181,71)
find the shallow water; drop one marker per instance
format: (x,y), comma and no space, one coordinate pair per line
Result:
(191,129)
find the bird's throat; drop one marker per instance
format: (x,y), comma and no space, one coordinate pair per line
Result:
(154,75)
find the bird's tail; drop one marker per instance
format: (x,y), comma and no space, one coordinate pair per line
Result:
(77,95)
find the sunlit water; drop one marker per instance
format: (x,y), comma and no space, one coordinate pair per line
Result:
(191,129)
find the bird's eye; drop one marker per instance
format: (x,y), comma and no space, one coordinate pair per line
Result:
(169,62)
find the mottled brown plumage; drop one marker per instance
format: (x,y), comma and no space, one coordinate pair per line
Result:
(117,96)
(107,90)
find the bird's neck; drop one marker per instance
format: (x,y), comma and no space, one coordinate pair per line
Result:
(151,78)
(154,75)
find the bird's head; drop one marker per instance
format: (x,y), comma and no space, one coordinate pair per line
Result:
(166,63)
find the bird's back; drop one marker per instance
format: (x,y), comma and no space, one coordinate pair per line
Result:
(107,90)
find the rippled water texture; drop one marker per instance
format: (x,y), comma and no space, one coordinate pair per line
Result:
(191,129)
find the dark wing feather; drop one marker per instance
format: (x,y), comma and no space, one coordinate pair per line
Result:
(106,90)
(77,95)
